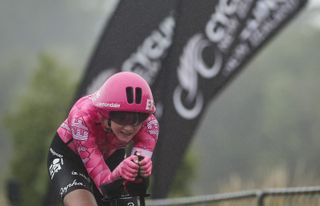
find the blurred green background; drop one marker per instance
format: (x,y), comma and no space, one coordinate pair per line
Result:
(262,131)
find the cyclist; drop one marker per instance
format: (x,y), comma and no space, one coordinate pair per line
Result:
(88,150)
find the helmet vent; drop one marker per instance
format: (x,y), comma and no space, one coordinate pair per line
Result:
(129,91)
(138,95)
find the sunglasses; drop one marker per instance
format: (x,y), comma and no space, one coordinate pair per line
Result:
(128,118)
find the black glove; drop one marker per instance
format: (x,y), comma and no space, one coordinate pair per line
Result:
(112,190)
(138,187)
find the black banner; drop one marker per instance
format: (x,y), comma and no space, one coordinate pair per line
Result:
(212,43)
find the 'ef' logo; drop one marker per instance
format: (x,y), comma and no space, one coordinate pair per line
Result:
(150,105)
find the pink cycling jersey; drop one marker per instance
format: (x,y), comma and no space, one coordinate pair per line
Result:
(83,132)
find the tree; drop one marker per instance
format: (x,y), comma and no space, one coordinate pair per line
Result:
(32,122)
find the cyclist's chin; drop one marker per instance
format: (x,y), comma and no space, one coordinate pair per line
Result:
(124,138)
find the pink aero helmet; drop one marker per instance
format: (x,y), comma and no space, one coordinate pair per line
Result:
(125,91)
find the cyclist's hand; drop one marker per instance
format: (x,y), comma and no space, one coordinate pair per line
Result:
(145,167)
(128,168)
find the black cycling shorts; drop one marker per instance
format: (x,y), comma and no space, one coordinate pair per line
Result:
(67,172)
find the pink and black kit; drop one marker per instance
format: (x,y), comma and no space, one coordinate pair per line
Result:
(83,153)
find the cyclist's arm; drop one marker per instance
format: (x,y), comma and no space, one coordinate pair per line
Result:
(84,140)
(146,139)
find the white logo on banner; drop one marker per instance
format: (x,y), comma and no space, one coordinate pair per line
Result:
(146,61)
(266,16)
(219,35)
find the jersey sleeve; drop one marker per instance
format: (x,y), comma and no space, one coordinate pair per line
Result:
(83,135)
(146,139)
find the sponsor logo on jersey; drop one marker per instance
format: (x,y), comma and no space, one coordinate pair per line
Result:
(64,190)
(79,129)
(55,167)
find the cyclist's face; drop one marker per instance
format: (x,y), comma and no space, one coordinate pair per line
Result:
(125,133)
